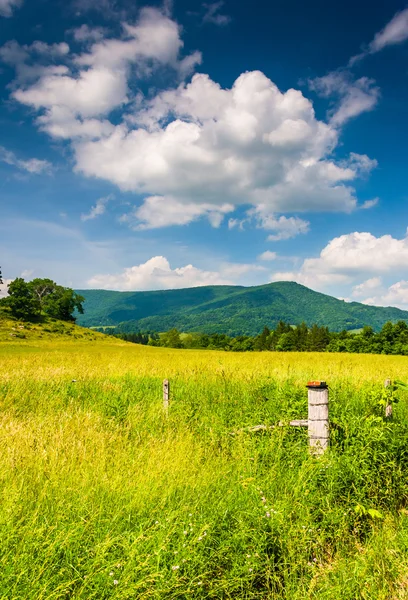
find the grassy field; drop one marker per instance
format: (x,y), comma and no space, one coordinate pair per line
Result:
(104,497)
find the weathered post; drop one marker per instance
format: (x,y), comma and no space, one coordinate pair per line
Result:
(166,395)
(318,416)
(388,407)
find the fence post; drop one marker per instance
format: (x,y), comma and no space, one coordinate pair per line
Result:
(166,395)
(318,416)
(388,408)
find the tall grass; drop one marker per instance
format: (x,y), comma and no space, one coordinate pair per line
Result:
(105,497)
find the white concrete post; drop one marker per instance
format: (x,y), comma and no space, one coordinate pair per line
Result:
(318,416)
(388,408)
(166,395)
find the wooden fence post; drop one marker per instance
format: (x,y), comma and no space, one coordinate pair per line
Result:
(166,395)
(388,408)
(318,416)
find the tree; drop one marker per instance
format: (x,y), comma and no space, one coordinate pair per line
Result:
(1,280)
(21,301)
(29,300)
(62,303)
(171,339)
(41,288)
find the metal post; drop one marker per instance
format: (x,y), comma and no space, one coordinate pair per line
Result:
(318,416)
(166,395)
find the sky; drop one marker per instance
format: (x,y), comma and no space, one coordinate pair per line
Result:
(183,143)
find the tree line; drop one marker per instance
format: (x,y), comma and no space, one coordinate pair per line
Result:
(392,339)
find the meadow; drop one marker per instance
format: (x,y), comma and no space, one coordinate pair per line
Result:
(104,497)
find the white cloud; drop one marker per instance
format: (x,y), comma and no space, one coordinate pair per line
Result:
(98,209)
(395,295)
(86,34)
(7,7)
(212,14)
(395,32)
(284,228)
(267,255)
(366,287)
(196,150)
(217,148)
(157,274)
(70,100)
(160,211)
(354,96)
(369,203)
(33,166)
(348,257)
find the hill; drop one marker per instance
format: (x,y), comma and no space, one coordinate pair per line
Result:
(15,330)
(233,310)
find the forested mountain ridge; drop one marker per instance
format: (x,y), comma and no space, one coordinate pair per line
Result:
(233,310)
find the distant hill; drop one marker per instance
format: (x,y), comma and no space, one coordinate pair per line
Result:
(234,310)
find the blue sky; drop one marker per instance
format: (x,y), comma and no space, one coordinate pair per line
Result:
(175,144)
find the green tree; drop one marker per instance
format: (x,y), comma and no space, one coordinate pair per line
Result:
(21,301)
(62,303)
(171,339)
(261,341)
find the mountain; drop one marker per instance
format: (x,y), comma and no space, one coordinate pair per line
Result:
(234,310)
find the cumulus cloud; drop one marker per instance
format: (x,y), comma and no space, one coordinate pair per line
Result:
(366,287)
(98,209)
(395,32)
(284,228)
(157,274)
(198,150)
(353,97)
(7,7)
(160,211)
(33,166)
(350,257)
(98,81)
(207,145)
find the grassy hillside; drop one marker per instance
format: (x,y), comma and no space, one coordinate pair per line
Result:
(103,497)
(230,309)
(14,330)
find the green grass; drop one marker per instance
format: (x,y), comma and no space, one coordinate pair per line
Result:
(104,497)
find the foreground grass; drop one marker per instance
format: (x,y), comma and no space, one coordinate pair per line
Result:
(103,497)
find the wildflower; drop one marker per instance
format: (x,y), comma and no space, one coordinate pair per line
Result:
(115,582)
(200,538)
(268,514)
(199,583)
(263,499)
(157,522)
(185,532)
(205,533)
(250,570)
(248,556)
(111,574)
(175,567)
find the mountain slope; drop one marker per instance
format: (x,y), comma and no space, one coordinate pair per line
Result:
(229,309)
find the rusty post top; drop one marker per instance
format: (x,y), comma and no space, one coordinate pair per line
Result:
(320,385)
